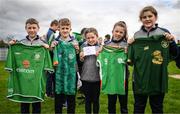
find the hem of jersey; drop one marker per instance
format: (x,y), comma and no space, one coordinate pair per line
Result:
(8,69)
(49,70)
(21,101)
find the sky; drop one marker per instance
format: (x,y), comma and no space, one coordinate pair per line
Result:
(101,14)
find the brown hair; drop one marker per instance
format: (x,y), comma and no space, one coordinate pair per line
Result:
(32,21)
(89,30)
(148,8)
(122,24)
(64,22)
(54,22)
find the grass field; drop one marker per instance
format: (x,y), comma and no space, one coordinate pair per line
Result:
(171,102)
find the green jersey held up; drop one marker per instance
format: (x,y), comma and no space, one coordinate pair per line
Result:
(112,70)
(65,76)
(150,57)
(27,65)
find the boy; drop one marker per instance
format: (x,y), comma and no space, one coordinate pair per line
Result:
(27,81)
(50,76)
(65,60)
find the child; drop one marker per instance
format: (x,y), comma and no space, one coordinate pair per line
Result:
(150,56)
(90,72)
(50,76)
(119,41)
(27,80)
(65,60)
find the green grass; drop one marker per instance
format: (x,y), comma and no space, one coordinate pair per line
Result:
(171,102)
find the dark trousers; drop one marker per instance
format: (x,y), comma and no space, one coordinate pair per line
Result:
(156,103)
(50,84)
(60,99)
(36,108)
(91,91)
(123,100)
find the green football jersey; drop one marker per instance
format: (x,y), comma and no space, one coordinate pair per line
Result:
(150,57)
(27,65)
(112,70)
(65,75)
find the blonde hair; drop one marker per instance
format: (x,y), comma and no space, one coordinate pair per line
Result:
(148,8)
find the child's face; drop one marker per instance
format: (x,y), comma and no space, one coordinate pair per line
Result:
(148,19)
(55,27)
(65,31)
(118,32)
(91,38)
(32,30)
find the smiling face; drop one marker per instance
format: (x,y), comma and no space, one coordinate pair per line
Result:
(148,19)
(118,32)
(91,38)
(32,29)
(65,31)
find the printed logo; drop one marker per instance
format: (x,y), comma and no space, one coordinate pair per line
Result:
(105,61)
(71,56)
(146,47)
(37,56)
(120,60)
(165,44)
(17,53)
(26,64)
(157,57)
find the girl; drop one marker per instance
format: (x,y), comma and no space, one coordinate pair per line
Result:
(150,52)
(90,72)
(119,40)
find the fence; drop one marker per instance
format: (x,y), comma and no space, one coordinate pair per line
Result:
(3,54)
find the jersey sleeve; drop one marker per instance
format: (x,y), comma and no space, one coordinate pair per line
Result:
(47,62)
(9,61)
(55,57)
(130,54)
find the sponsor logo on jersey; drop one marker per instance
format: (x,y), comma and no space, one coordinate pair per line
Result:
(37,56)
(157,57)
(26,64)
(22,70)
(165,44)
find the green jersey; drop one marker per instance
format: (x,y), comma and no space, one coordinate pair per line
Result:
(65,76)
(112,70)
(150,57)
(27,77)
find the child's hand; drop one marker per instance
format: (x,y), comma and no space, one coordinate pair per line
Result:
(13,41)
(54,43)
(81,55)
(125,49)
(46,46)
(130,40)
(169,36)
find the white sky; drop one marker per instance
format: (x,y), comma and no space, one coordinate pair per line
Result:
(101,14)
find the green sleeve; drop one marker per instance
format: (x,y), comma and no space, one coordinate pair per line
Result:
(48,63)
(55,56)
(9,61)
(130,55)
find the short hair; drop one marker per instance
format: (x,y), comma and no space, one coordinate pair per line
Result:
(108,36)
(54,22)
(64,22)
(148,8)
(32,21)
(91,30)
(83,30)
